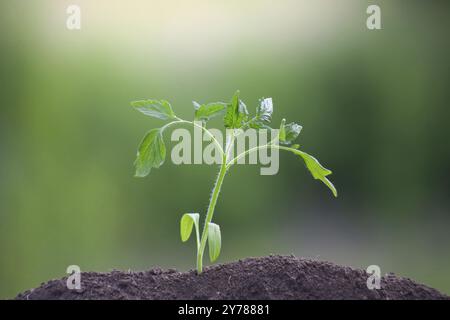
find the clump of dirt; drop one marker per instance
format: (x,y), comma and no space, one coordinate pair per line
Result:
(274,277)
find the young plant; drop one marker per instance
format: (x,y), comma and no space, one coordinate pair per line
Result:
(152,152)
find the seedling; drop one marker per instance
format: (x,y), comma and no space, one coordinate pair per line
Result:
(152,152)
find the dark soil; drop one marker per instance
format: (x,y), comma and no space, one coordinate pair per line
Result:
(274,277)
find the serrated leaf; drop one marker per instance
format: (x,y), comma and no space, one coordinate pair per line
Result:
(151,153)
(289,132)
(317,170)
(236,112)
(263,115)
(264,110)
(205,112)
(255,124)
(214,241)
(188,220)
(160,109)
(292,131)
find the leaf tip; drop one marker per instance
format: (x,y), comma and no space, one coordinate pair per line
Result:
(140,174)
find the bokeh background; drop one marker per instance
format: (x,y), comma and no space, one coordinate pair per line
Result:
(373,105)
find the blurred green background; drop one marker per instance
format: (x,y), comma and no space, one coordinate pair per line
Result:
(374,106)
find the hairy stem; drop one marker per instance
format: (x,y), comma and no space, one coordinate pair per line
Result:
(213,201)
(210,213)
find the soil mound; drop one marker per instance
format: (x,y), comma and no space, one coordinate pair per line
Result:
(273,277)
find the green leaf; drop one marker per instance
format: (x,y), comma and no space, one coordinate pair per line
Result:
(256,124)
(236,113)
(264,110)
(151,153)
(160,109)
(187,221)
(214,241)
(317,170)
(263,115)
(205,112)
(289,132)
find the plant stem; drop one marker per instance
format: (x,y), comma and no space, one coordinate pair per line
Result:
(213,201)
(209,214)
